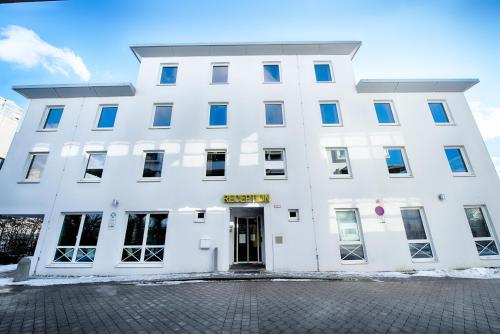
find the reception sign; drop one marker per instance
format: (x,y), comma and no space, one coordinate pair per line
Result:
(247,198)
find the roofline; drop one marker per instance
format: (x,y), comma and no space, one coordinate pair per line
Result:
(414,85)
(75,90)
(355,45)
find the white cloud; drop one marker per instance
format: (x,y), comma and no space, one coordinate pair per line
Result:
(24,47)
(488,120)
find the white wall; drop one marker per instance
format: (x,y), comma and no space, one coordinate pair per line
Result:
(10,115)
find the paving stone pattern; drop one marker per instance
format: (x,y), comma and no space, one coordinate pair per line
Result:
(426,305)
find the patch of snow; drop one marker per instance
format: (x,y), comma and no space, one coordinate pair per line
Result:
(480,273)
(7,267)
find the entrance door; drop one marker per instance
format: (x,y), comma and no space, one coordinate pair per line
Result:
(247,240)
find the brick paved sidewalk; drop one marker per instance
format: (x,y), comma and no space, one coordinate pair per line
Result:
(416,305)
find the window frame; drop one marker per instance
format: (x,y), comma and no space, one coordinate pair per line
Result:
(28,165)
(45,115)
(361,240)
(330,162)
(330,67)
(217,64)
(394,113)
(215,178)
(162,65)
(152,121)
(447,111)
(86,161)
(98,118)
(491,229)
(282,114)
(428,236)
(210,104)
(275,177)
(278,63)
(405,160)
(297,216)
(339,113)
(465,157)
(143,159)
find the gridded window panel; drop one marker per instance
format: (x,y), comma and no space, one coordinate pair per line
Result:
(162,116)
(384,113)
(153,254)
(53,118)
(220,73)
(145,237)
(216,164)
(218,115)
(352,252)
(85,255)
(95,166)
(395,159)
(323,73)
(168,75)
(456,160)
(351,242)
(131,254)
(339,165)
(153,164)
(272,73)
(275,162)
(329,114)
(107,117)
(421,250)
(36,166)
(438,112)
(274,114)
(483,238)
(418,241)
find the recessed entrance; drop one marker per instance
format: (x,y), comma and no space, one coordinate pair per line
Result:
(248,235)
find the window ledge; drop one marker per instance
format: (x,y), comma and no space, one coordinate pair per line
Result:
(463,174)
(341,177)
(397,176)
(444,124)
(167,84)
(159,127)
(28,181)
(272,82)
(490,257)
(331,125)
(69,265)
(275,177)
(219,83)
(389,124)
(89,181)
(150,179)
(46,130)
(348,262)
(424,260)
(214,178)
(327,82)
(139,265)
(217,127)
(274,125)
(102,129)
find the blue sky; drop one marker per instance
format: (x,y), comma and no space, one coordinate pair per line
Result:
(401,39)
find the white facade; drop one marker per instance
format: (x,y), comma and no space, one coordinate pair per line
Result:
(308,242)
(10,114)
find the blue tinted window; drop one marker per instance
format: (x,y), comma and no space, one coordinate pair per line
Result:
(163,114)
(168,75)
(219,74)
(53,118)
(329,113)
(107,118)
(395,161)
(323,72)
(456,160)
(274,114)
(438,113)
(218,115)
(271,73)
(384,113)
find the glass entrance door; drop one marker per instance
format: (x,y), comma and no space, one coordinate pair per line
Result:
(247,240)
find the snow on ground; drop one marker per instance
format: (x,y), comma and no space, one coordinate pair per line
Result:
(7,267)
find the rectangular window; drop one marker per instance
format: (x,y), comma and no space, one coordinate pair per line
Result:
(480,227)
(457,160)
(216,164)
(293,215)
(275,164)
(323,72)
(78,238)
(219,74)
(52,118)
(168,75)
(162,116)
(338,159)
(199,216)
(439,113)
(218,115)
(385,114)
(350,235)
(37,162)
(107,117)
(397,162)
(416,234)
(1,162)
(145,237)
(95,165)
(274,114)
(329,114)
(153,164)
(272,73)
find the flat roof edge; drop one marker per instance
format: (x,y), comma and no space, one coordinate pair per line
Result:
(415,85)
(75,90)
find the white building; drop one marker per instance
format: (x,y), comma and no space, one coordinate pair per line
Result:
(10,114)
(264,153)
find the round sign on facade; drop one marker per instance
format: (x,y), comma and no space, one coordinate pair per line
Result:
(379,211)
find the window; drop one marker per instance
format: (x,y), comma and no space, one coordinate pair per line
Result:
(396,160)
(339,162)
(107,117)
(416,234)
(162,116)
(36,166)
(218,115)
(323,72)
(329,114)
(351,242)
(439,113)
(479,225)
(52,118)
(274,114)
(275,164)
(95,165)
(199,216)
(457,160)
(293,215)
(272,73)
(168,75)
(145,237)
(219,73)
(153,164)
(1,162)
(216,164)
(385,114)
(78,238)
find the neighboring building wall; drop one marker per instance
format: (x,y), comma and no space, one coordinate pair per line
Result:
(10,115)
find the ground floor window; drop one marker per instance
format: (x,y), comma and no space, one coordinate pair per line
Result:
(78,238)
(416,234)
(483,237)
(145,237)
(350,235)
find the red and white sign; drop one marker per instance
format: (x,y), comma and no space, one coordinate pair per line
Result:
(379,211)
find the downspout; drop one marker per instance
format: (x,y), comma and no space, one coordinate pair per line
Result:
(308,167)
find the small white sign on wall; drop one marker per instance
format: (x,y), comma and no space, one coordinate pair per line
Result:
(112,220)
